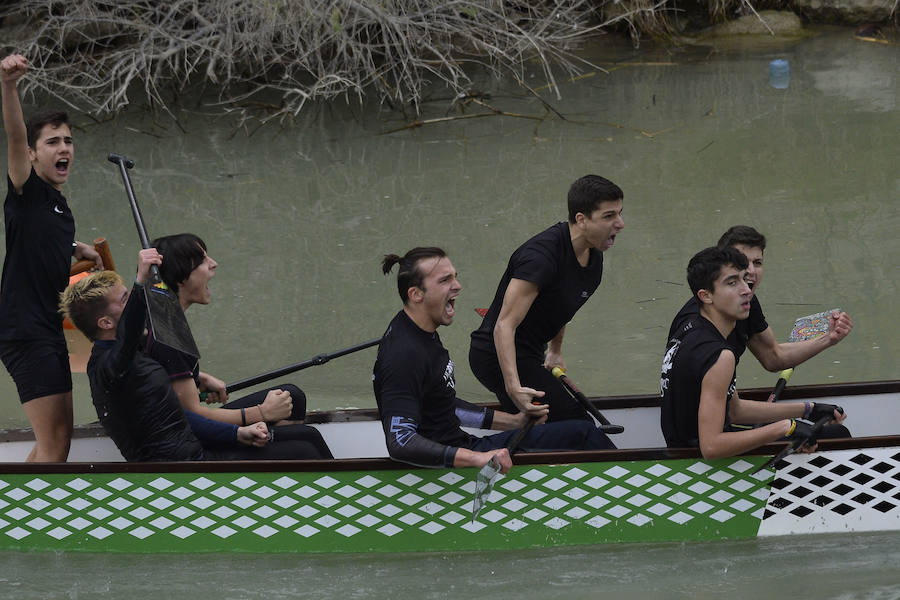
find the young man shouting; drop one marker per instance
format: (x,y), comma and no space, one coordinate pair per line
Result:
(547,279)
(415,383)
(699,401)
(40,244)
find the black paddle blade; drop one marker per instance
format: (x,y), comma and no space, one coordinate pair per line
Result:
(167,321)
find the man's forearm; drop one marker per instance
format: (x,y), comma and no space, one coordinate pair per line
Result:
(505,344)
(732,443)
(406,445)
(555,345)
(749,412)
(795,353)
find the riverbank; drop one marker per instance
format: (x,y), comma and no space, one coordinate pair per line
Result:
(265,61)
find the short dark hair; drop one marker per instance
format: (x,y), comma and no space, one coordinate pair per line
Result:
(409,275)
(586,194)
(182,253)
(38,121)
(706,266)
(743,235)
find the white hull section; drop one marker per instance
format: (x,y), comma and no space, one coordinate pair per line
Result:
(835,492)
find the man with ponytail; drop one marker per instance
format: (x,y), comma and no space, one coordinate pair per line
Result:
(415,384)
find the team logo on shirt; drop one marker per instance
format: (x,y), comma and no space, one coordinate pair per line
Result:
(668,361)
(585,294)
(449,380)
(57,210)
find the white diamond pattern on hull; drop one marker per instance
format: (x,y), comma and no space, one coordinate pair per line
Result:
(551,498)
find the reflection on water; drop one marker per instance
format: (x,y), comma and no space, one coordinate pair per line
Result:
(298,217)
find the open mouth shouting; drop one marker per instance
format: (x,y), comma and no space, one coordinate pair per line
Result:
(450,307)
(62,167)
(751,283)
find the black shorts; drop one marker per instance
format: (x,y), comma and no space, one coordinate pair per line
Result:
(532,374)
(39,367)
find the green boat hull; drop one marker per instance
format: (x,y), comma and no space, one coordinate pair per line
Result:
(388,510)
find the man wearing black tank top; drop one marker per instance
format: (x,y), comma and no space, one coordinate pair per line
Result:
(699,401)
(40,244)
(754,332)
(547,280)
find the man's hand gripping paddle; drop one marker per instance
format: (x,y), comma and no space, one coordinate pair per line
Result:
(605,425)
(484,482)
(167,322)
(796,444)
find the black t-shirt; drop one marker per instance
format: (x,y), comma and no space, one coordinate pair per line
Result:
(133,395)
(547,260)
(414,378)
(40,230)
(691,351)
(743,329)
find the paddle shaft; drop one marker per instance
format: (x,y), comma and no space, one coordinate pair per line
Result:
(320,359)
(164,311)
(780,385)
(517,438)
(606,426)
(125,164)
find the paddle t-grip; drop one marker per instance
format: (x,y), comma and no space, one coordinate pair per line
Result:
(118,158)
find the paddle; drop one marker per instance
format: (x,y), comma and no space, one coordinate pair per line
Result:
(605,425)
(167,322)
(805,328)
(484,482)
(795,445)
(319,359)
(782,382)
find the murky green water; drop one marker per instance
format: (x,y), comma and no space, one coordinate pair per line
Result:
(827,567)
(298,219)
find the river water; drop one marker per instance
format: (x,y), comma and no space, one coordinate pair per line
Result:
(299,216)
(827,567)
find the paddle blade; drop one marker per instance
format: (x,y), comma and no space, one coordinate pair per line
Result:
(484,484)
(168,324)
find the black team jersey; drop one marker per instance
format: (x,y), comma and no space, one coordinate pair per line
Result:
(40,231)
(743,329)
(133,395)
(415,389)
(691,351)
(547,260)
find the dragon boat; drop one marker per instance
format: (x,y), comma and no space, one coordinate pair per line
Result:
(364,502)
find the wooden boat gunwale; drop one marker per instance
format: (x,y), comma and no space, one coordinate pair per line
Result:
(533,458)
(799,392)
